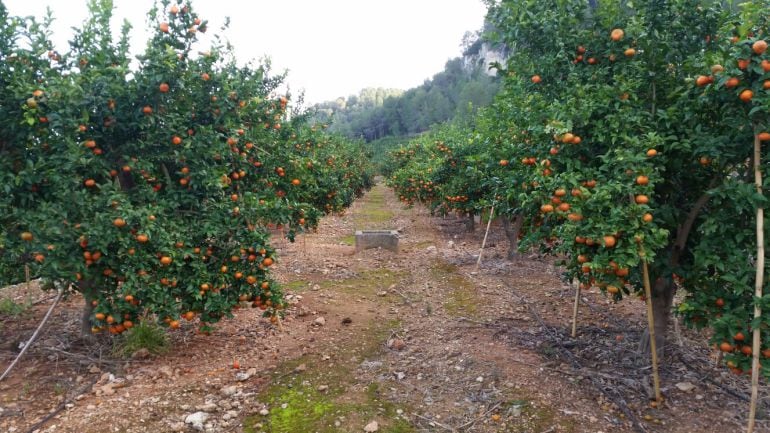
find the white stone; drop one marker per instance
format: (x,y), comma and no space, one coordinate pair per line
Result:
(372,427)
(196,420)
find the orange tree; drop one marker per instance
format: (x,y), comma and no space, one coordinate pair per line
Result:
(640,163)
(148,190)
(443,170)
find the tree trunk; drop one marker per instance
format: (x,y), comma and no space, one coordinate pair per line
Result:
(470,223)
(663,291)
(85,320)
(512,233)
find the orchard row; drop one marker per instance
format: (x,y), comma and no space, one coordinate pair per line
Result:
(620,137)
(149,188)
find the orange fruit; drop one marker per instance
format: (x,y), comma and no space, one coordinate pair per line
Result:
(609,241)
(26,236)
(561,192)
(759,47)
(503,162)
(746,350)
(205,76)
(617,34)
(651,152)
(166,260)
(739,336)
(726,347)
(702,80)
(174,324)
(746,95)
(567,138)
(163,87)
(536,79)
(641,199)
(546,208)
(295,182)
(630,52)
(743,63)
(647,217)
(267,261)
(732,82)
(176,139)
(764,136)
(119,222)
(642,180)
(90,183)
(716,69)
(163,27)
(142,238)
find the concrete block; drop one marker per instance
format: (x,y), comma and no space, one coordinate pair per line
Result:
(387,239)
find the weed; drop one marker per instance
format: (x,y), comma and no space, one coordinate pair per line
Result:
(13,309)
(145,335)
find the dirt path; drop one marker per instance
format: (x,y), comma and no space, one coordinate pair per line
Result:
(416,341)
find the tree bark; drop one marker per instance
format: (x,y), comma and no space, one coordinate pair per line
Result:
(470,223)
(512,231)
(663,291)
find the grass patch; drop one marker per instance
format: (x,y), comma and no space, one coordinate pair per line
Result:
(348,240)
(295,286)
(367,283)
(296,404)
(14,309)
(144,335)
(373,214)
(462,300)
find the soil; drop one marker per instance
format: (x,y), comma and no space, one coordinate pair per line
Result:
(415,341)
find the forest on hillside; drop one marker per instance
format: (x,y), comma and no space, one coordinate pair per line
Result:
(455,93)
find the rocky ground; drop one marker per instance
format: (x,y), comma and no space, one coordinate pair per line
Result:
(415,341)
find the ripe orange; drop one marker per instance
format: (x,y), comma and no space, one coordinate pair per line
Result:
(267,261)
(641,199)
(702,80)
(704,160)
(574,217)
(189,315)
(766,353)
(582,258)
(732,82)
(617,34)
(174,324)
(205,76)
(99,316)
(561,192)
(743,63)
(503,162)
(174,10)
(26,236)
(564,207)
(746,95)
(719,302)
(630,52)
(567,138)
(119,222)
(295,182)
(642,180)
(165,260)
(163,87)
(612,290)
(716,69)
(163,27)
(739,336)
(766,85)
(90,183)
(651,152)
(576,139)
(764,136)
(536,79)
(746,350)
(609,241)
(647,217)
(142,239)
(176,139)
(759,47)
(546,208)
(726,347)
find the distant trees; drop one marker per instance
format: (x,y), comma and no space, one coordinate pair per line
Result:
(453,94)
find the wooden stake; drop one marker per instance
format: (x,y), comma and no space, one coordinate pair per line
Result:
(484,242)
(575,308)
(759,280)
(651,325)
(27,277)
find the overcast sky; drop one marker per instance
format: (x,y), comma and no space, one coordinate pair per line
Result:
(331,48)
